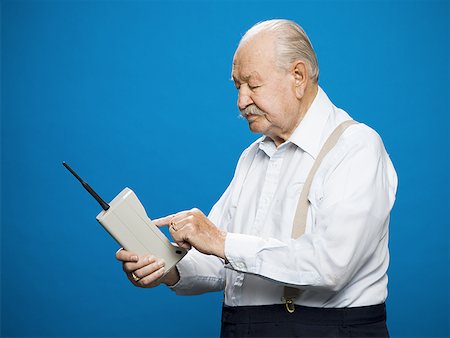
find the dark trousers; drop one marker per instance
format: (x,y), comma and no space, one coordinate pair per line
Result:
(275,321)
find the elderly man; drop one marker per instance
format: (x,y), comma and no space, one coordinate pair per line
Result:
(299,240)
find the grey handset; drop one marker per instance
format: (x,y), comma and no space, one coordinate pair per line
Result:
(127,222)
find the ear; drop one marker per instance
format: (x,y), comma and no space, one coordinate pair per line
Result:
(301,77)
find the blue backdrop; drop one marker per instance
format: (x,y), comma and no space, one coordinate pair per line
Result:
(138,94)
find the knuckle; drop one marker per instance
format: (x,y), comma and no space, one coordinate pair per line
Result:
(147,281)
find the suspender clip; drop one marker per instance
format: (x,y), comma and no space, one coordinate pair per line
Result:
(289,302)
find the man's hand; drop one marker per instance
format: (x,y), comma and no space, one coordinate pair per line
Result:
(193,228)
(146,271)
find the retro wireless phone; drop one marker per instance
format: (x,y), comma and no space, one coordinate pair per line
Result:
(127,222)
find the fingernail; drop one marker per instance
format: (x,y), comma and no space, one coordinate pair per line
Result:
(161,263)
(134,258)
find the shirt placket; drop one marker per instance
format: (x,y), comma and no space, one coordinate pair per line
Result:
(268,191)
(270,184)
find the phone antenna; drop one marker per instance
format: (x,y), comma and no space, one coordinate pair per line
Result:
(100,201)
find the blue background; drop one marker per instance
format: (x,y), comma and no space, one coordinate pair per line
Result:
(138,94)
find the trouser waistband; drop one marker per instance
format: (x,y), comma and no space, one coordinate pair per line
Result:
(304,314)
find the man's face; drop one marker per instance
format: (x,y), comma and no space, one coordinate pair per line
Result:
(266,95)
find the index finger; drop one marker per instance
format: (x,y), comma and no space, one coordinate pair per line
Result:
(163,221)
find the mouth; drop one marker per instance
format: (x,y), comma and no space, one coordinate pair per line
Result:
(251,113)
(251,117)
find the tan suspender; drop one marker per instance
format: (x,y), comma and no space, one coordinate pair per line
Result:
(301,213)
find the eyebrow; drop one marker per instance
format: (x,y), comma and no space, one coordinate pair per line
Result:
(246,78)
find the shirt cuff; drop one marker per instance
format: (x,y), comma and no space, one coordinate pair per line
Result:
(261,256)
(241,251)
(185,269)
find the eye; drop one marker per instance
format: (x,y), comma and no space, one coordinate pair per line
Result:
(253,87)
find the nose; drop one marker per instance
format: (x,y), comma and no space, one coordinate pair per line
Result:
(244,99)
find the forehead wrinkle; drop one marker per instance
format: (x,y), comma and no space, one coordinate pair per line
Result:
(245,77)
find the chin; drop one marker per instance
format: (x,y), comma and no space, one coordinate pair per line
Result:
(257,127)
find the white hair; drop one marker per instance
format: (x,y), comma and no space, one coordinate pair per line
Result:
(292,44)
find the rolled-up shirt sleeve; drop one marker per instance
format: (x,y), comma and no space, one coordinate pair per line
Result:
(351,196)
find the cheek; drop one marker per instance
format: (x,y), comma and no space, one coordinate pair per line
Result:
(260,102)
(276,102)
(267,103)
(288,103)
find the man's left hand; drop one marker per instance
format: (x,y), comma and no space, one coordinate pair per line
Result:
(192,228)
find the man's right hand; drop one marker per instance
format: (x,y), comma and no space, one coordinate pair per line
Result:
(146,271)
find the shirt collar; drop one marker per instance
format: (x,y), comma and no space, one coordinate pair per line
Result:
(267,145)
(309,133)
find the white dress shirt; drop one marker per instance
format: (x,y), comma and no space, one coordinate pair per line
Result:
(342,259)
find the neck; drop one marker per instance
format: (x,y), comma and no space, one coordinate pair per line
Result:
(304,104)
